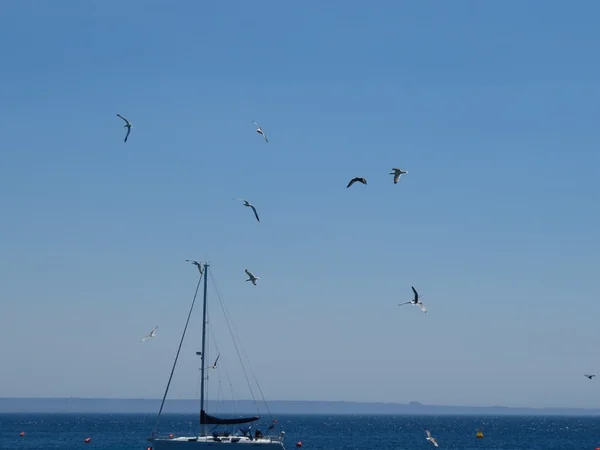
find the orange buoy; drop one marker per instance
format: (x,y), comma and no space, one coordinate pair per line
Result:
(22,434)
(299,444)
(87,440)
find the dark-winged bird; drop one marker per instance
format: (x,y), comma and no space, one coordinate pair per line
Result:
(415,301)
(127,124)
(197,264)
(359,179)
(251,277)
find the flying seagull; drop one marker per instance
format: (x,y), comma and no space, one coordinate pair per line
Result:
(415,301)
(354,180)
(250,205)
(151,335)
(127,124)
(259,130)
(397,174)
(251,277)
(197,264)
(589,376)
(430,438)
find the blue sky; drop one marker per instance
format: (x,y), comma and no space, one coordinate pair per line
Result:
(491,107)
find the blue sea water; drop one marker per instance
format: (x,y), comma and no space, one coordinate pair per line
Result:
(129,432)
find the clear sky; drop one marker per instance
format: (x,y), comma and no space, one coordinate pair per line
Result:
(492,107)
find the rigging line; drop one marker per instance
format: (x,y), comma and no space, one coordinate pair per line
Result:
(245,354)
(214,340)
(234,341)
(228,317)
(243,350)
(177,355)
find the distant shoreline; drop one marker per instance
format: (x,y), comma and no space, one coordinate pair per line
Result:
(227,407)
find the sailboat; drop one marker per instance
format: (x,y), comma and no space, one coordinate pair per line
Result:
(205,439)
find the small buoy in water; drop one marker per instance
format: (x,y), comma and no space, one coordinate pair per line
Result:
(479,435)
(299,444)
(87,440)
(22,434)
(171,436)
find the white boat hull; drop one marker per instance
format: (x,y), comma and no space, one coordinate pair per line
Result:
(199,442)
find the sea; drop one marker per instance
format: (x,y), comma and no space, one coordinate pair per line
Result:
(316,432)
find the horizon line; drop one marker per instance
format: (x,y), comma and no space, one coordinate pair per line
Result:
(412,403)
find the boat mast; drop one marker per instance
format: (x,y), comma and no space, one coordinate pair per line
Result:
(203,356)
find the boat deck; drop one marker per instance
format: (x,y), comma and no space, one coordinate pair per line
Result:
(211,441)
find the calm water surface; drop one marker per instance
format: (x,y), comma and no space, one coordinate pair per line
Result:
(129,432)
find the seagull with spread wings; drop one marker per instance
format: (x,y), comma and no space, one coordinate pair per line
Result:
(359,179)
(397,174)
(250,205)
(127,124)
(251,277)
(430,438)
(150,335)
(415,301)
(259,130)
(197,264)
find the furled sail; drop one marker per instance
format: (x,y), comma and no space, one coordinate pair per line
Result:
(206,419)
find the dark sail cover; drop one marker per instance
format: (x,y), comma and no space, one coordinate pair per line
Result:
(206,419)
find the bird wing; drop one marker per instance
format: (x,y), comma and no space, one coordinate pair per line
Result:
(415,291)
(352,181)
(256,123)
(428,434)
(422,306)
(254,281)
(249,273)
(255,213)
(126,121)
(433,441)
(215,363)
(266,138)
(405,303)
(127,135)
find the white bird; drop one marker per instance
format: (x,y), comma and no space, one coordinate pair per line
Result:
(127,124)
(430,438)
(397,174)
(415,301)
(197,264)
(151,335)
(589,376)
(251,277)
(259,130)
(250,205)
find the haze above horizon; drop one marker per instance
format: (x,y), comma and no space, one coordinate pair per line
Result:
(491,108)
